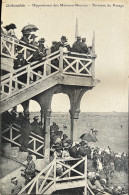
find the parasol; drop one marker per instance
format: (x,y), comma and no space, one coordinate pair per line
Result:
(88,137)
(30,28)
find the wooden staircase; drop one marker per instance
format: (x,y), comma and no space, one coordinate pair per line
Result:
(11,134)
(58,68)
(48,180)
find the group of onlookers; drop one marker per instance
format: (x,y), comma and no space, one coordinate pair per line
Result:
(104,161)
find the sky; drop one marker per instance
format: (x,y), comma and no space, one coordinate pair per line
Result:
(111,45)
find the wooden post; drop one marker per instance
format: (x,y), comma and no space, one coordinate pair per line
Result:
(48,68)
(93,58)
(85,172)
(74,118)
(61,60)
(47,114)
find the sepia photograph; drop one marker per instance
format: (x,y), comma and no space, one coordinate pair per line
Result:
(64,97)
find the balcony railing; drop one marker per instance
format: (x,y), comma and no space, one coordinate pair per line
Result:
(69,63)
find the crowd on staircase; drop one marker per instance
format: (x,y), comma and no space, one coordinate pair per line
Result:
(29,39)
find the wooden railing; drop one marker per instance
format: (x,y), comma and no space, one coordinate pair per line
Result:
(11,133)
(49,178)
(69,63)
(33,73)
(10,47)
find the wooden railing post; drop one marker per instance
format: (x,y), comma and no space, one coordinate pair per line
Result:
(13,49)
(61,59)
(93,58)
(28,75)
(11,132)
(10,84)
(85,172)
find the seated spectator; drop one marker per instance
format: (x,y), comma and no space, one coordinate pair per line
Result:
(84,46)
(74,151)
(64,140)
(33,42)
(90,178)
(65,153)
(77,45)
(58,152)
(17,187)
(98,184)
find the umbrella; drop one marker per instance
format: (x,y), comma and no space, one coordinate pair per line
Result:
(29,27)
(88,137)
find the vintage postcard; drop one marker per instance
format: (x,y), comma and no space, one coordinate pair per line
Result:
(64,97)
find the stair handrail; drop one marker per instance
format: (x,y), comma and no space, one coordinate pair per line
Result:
(34,138)
(37,176)
(53,179)
(5,77)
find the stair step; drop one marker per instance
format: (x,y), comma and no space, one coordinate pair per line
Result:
(6,148)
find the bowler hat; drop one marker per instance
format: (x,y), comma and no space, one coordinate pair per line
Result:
(41,40)
(64,38)
(78,38)
(83,39)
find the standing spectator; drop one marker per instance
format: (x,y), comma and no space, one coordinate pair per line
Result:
(25,37)
(54,46)
(30,169)
(77,45)
(84,46)
(33,42)
(20,61)
(64,43)
(25,133)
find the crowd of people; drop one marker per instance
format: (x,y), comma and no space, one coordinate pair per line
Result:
(38,50)
(105,163)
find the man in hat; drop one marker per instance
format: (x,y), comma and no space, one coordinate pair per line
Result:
(84,46)
(77,45)
(20,61)
(64,140)
(25,133)
(74,151)
(39,53)
(25,37)
(64,43)
(33,42)
(82,149)
(30,169)
(17,187)
(35,126)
